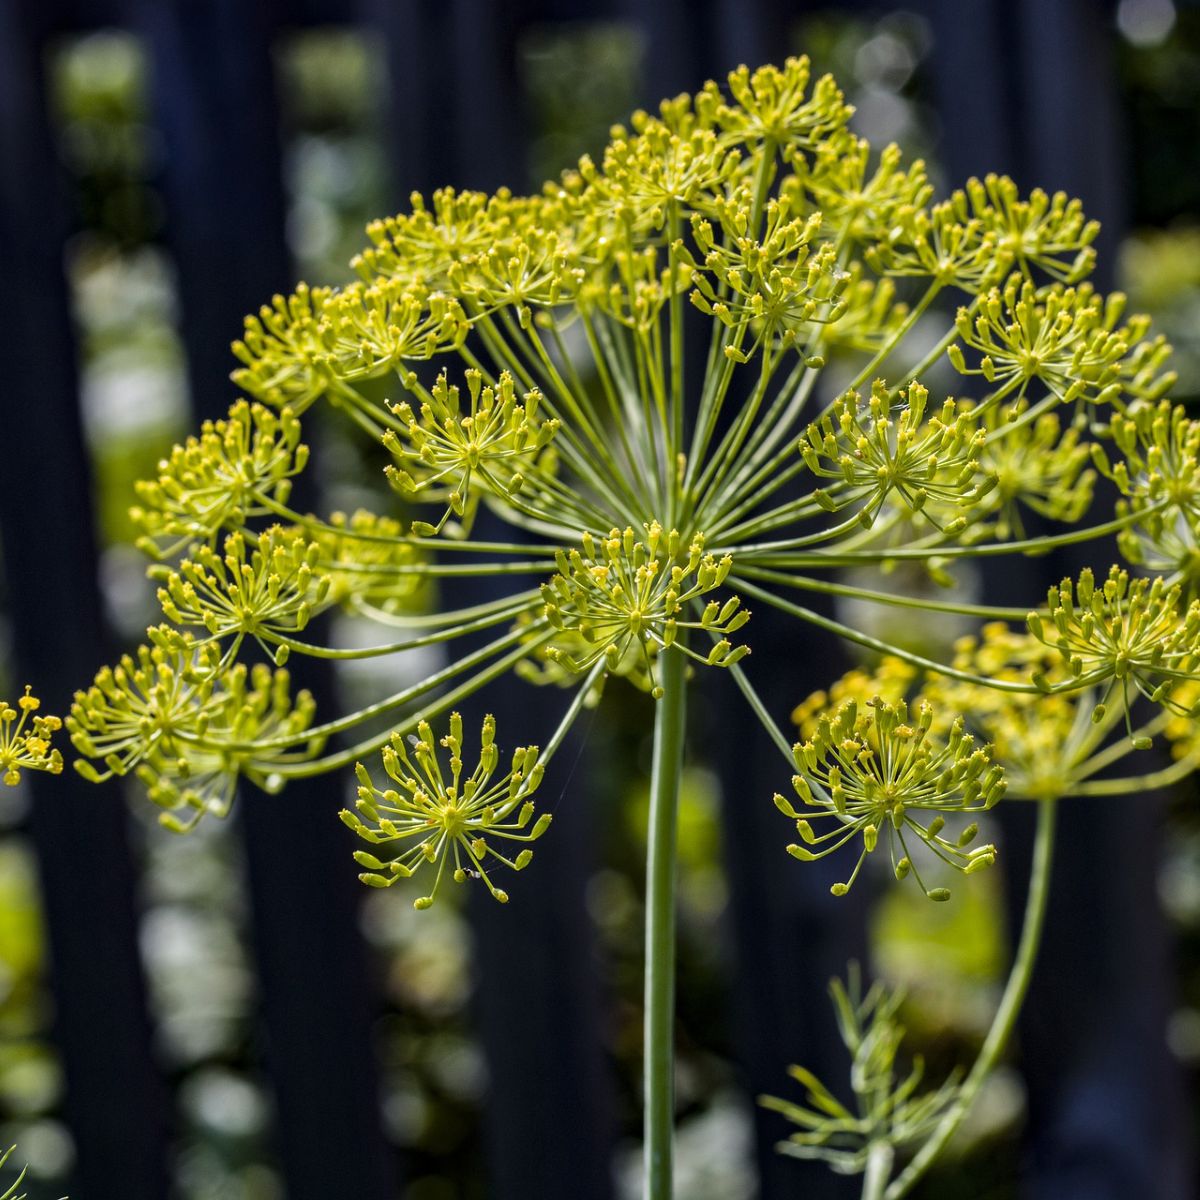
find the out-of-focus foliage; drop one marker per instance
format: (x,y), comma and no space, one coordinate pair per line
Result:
(1159,61)
(577,79)
(332,91)
(1160,269)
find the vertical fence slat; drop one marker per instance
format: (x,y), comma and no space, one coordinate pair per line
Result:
(50,567)
(1119,1105)
(1105,1097)
(415,34)
(215,99)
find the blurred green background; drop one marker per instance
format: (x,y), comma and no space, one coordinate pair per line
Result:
(577,81)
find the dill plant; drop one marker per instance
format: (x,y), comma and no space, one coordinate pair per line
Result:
(629,368)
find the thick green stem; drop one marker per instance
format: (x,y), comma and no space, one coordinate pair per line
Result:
(1010,1005)
(659,1049)
(878,1172)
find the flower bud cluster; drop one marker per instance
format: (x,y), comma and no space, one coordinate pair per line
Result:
(367,561)
(1039,465)
(780,281)
(875,459)
(186,724)
(1049,232)
(1124,631)
(270,590)
(443,451)
(1159,478)
(1065,337)
(774,104)
(622,592)
(434,816)
(302,346)
(25,739)
(860,193)
(1037,736)
(217,480)
(871,772)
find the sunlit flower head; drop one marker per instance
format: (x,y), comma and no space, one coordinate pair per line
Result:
(437,817)
(870,773)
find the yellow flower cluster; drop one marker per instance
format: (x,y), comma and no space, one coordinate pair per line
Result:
(492,442)
(875,457)
(219,480)
(872,772)
(431,817)
(188,725)
(624,592)
(25,739)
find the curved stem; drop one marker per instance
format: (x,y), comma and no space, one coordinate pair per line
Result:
(773,553)
(1006,1015)
(878,1172)
(741,584)
(1133,785)
(659,1049)
(895,599)
(892,344)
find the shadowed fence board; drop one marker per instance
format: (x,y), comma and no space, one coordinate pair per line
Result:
(53,599)
(215,104)
(1103,1115)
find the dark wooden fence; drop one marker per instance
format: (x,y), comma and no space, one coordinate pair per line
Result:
(1020,85)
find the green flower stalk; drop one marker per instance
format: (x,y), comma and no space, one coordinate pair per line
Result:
(539,359)
(11,1193)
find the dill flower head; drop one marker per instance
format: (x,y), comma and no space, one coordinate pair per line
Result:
(1039,465)
(868,772)
(1058,335)
(1037,736)
(1042,231)
(264,592)
(300,346)
(874,457)
(869,191)
(774,104)
(779,283)
(892,680)
(369,564)
(748,213)
(491,441)
(189,725)
(623,592)
(1159,478)
(25,739)
(941,244)
(146,705)
(220,478)
(434,816)
(252,707)
(1125,631)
